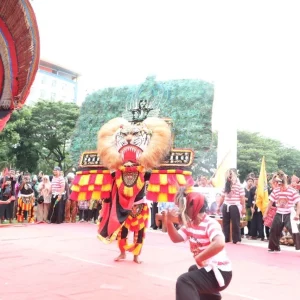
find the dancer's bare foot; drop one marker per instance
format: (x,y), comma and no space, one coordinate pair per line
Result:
(122,256)
(136,259)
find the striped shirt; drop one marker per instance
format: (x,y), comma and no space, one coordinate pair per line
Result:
(200,236)
(285,200)
(234,197)
(58,185)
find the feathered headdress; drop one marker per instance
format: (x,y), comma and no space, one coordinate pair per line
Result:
(187,199)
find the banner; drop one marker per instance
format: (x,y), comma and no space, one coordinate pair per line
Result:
(262,197)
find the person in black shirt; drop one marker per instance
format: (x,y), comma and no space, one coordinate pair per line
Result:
(5,202)
(257,225)
(25,209)
(7,185)
(249,195)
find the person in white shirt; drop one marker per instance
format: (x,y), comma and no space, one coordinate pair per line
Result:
(58,185)
(212,271)
(233,198)
(285,198)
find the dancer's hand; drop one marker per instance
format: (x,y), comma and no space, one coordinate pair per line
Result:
(199,262)
(172,215)
(195,252)
(202,263)
(296,218)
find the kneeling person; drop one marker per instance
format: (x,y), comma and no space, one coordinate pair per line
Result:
(212,271)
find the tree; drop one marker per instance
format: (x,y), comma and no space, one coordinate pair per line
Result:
(18,148)
(252,147)
(52,126)
(206,163)
(289,161)
(4,162)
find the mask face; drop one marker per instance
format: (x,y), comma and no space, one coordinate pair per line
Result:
(131,141)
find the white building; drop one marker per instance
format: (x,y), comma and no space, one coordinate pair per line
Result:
(53,82)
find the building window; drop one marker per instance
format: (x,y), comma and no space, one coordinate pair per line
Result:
(44,80)
(43,94)
(53,96)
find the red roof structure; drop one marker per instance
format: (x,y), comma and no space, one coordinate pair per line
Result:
(19,55)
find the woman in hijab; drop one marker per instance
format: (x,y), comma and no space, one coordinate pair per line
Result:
(44,201)
(212,270)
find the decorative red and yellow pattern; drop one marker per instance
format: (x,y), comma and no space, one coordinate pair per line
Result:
(128,193)
(134,224)
(163,184)
(134,247)
(92,184)
(28,207)
(140,221)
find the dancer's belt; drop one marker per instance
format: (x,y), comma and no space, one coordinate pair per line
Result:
(228,205)
(217,273)
(214,267)
(26,199)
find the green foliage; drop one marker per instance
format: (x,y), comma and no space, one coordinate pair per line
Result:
(20,151)
(190,107)
(289,161)
(252,147)
(206,164)
(187,102)
(26,156)
(4,149)
(38,137)
(52,126)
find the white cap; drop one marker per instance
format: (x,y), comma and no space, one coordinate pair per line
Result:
(71,175)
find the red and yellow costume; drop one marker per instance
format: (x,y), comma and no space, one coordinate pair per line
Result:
(25,209)
(131,153)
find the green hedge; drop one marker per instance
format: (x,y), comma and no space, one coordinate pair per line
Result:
(187,102)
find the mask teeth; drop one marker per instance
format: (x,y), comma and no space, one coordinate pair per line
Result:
(138,154)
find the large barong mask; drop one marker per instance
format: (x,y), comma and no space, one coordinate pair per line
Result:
(122,143)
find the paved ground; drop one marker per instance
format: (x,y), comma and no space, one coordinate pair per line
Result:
(68,262)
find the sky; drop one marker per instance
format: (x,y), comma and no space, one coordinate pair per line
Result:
(248,49)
